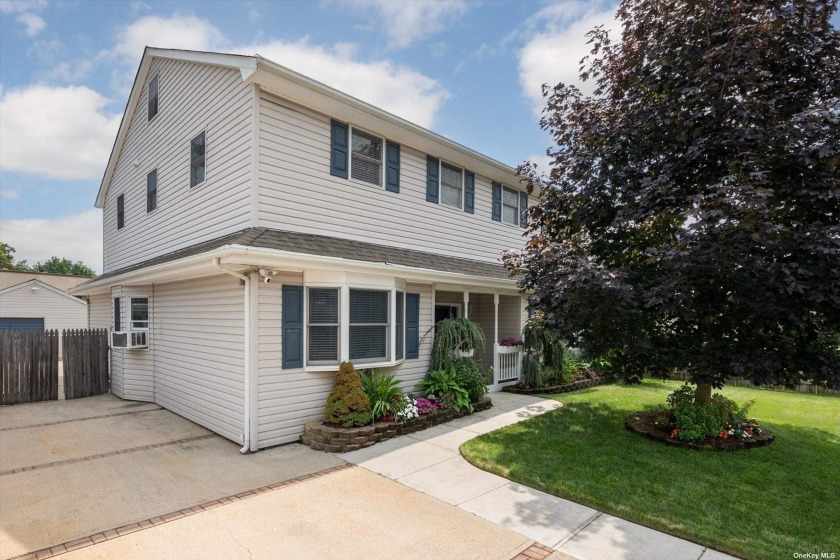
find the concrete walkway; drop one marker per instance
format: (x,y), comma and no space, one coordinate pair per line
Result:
(429,461)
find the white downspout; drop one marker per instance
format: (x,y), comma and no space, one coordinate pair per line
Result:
(246,435)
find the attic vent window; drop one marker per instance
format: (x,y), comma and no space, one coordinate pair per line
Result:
(153,97)
(197,161)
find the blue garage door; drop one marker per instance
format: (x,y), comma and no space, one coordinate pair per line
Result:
(21,323)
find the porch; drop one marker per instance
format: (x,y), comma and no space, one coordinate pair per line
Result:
(501,317)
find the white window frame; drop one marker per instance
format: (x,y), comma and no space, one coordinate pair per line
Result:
(306,324)
(206,142)
(389,327)
(130,317)
(518,208)
(156,76)
(440,184)
(382,170)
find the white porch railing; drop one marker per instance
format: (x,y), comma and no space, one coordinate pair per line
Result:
(507,363)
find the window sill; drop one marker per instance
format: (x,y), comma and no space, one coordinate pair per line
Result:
(365,365)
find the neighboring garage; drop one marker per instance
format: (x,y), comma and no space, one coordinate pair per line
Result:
(36,305)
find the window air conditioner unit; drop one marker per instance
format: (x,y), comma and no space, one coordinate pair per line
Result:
(129,339)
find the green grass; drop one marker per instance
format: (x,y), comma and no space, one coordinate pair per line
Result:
(763,503)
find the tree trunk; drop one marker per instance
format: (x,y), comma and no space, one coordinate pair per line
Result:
(703,393)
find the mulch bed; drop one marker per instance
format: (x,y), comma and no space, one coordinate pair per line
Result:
(658,424)
(521,389)
(335,439)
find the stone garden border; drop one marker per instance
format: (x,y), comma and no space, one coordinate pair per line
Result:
(322,437)
(565,388)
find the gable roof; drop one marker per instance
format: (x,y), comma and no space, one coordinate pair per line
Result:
(324,246)
(288,84)
(39,284)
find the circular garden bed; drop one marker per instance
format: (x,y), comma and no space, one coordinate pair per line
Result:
(659,425)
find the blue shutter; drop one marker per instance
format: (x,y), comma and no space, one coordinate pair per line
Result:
(392,169)
(432,179)
(338,153)
(523,209)
(292,327)
(412,326)
(497,202)
(469,192)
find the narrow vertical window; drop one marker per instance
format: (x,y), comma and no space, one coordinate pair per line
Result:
(400,326)
(151,191)
(117,318)
(153,97)
(323,326)
(120,211)
(197,161)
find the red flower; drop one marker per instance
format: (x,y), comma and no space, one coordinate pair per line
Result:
(723,435)
(675,433)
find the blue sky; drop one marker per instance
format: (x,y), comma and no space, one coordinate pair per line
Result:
(468,70)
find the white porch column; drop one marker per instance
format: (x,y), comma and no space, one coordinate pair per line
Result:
(495,337)
(466,304)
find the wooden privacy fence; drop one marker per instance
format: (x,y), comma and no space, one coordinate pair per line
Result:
(85,362)
(28,366)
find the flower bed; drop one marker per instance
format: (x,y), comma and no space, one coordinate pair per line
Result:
(522,389)
(658,425)
(322,437)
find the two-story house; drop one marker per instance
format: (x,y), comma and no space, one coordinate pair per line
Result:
(261,227)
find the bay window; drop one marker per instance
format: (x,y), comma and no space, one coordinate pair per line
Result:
(323,327)
(369,326)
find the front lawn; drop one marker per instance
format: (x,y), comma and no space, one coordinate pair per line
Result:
(763,503)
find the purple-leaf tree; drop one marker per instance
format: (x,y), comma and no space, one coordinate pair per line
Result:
(691,216)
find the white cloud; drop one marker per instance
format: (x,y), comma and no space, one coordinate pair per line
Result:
(77,237)
(10,194)
(558,43)
(55,132)
(405,22)
(397,89)
(34,23)
(178,31)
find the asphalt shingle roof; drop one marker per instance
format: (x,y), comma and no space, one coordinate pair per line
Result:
(325,246)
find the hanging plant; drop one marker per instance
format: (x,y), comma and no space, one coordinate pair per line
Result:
(452,336)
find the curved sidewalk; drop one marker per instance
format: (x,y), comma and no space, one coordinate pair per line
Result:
(429,461)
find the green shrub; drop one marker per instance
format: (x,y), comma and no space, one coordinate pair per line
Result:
(383,391)
(544,355)
(443,384)
(696,422)
(471,377)
(347,405)
(683,395)
(452,335)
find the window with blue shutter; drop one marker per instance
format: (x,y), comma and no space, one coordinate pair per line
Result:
(497,202)
(469,192)
(392,170)
(292,327)
(432,179)
(338,153)
(523,209)
(412,326)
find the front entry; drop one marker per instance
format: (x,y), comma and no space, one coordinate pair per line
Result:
(445,312)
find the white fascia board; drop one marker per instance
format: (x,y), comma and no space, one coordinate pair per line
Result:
(321,98)
(39,284)
(245,257)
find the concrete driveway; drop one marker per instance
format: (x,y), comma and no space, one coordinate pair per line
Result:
(69,469)
(141,482)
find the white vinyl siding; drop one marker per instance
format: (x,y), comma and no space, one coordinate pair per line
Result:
(295,180)
(131,370)
(198,98)
(99,311)
(198,337)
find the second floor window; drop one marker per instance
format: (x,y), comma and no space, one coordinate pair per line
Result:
(366,163)
(151,191)
(153,97)
(197,160)
(120,211)
(510,206)
(451,185)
